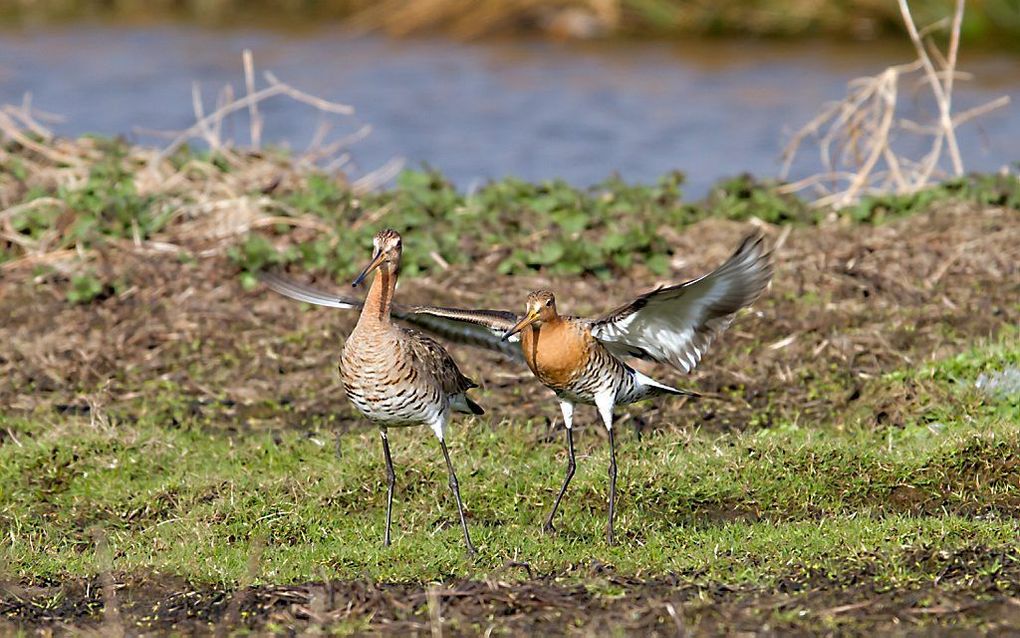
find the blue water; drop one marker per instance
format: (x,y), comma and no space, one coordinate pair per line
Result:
(535,110)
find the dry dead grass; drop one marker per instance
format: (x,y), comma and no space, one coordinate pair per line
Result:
(859,137)
(848,303)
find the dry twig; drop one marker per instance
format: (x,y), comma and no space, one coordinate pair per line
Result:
(208,208)
(856,136)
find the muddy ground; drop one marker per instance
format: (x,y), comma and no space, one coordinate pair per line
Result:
(849,303)
(673,605)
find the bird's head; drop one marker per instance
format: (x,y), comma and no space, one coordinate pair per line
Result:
(541,306)
(386,249)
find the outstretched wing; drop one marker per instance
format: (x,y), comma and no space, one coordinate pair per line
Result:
(480,328)
(676,324)
(496,322)
(294,290)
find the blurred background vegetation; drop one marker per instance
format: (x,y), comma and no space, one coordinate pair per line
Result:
(995,21)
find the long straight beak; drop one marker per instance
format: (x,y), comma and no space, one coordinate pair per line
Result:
(520,325)
(376,262)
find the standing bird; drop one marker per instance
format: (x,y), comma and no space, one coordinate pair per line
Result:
(395,376)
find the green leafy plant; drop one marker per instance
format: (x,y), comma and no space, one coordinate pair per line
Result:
(522,227)
(85,288)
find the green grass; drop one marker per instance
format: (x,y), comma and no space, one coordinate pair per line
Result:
(175,492)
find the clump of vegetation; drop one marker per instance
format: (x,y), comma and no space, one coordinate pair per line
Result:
(547,226)
(102,195)
(988,190)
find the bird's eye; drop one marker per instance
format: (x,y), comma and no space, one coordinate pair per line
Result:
(548,302)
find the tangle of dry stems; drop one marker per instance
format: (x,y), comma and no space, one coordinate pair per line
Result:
(209,208)
(856,135)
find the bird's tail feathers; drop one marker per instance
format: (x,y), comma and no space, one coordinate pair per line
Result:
(463,403)
(665,389)
(662,388)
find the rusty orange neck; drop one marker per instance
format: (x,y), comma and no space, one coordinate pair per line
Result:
(380,295)
(556,351)
(544,335)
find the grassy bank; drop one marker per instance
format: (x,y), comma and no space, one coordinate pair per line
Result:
(184,495)
(989,20)
(177,437)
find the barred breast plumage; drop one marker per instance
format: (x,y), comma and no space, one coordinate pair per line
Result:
(565,356)
(398,377)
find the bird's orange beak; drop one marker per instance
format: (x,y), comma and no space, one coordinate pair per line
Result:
(529,319)
(376,262)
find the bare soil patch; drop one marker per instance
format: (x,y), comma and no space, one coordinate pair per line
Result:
(801,604)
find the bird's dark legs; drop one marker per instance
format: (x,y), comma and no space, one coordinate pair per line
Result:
(566,481)
(612,486)
(391,480)
(456,493)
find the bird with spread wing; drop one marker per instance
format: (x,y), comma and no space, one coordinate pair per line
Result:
(583,360)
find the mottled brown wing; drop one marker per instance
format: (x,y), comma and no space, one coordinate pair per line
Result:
(434,358)
(676,324)
(480,328)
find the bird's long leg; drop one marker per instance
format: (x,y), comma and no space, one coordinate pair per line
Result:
(612,487)
(568,420)
(605,403)
(456,493)
(391,480)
